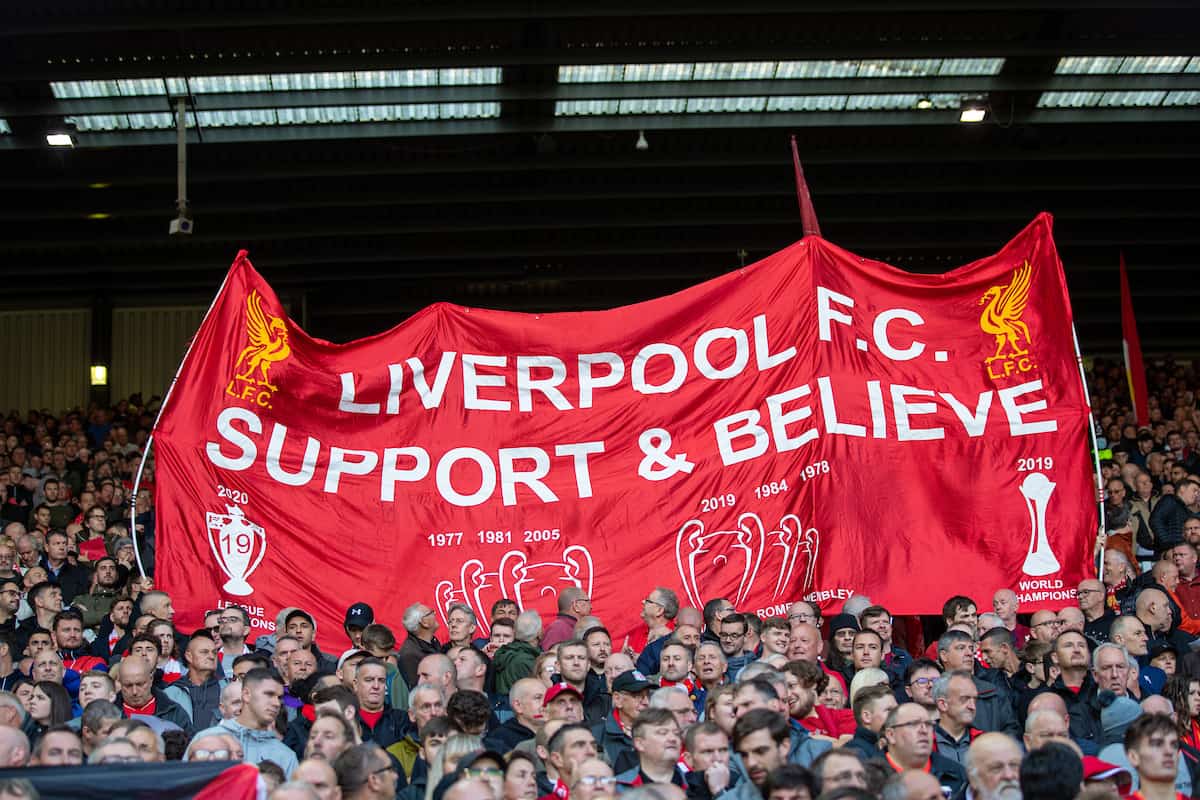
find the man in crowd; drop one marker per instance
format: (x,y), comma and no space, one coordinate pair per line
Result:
(1098,617)
(760,738)
(527,699)
(871,707)
(895,659)
(460,627)
(993,767)
(657,743)
(573,603)
(909,735)
(955,695)
(379,721)
(71,579)
(422,624)
(233,627)
(659,610)
(630,697)
(262,698)
(139,695)
(515,660)
(199,690)
(1152,747)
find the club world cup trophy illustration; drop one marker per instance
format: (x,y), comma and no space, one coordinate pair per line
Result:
(1040,560)
(238,546)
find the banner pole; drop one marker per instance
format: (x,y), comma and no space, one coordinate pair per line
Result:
(137,481)
(1095,448)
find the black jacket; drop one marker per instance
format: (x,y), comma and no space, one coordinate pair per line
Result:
(952,776)
(865,742)
(1082,708)
(507,736)
(72,579)
(616,746)
(393,726)
(166,709)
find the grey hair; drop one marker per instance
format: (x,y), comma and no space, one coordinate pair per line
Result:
(427,687)
(941,685)
(856,605)
(94,758)
(670,601)
(1108,646)
(658,699)
(894,789)
(528,627)
(12,701)
(412,617)
(463,607)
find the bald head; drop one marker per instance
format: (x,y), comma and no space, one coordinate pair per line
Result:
(317,773)
(14,747)
(1048,701)
(1157,704)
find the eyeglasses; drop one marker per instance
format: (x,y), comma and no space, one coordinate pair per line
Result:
(652,602)
(223,620)
(605,781)
(1054,622)
(482,772)
(922,681)
(731,636)
(803,617)
(128,759)
(1082,592)
(199,755)
(916,723)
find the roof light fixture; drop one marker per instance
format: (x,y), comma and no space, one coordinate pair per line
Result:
(972,110)
(60,139)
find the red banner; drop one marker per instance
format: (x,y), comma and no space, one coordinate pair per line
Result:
(1131,347)
(814,425)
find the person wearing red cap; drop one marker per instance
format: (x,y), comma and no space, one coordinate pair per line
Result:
(563,701)
(1098,772)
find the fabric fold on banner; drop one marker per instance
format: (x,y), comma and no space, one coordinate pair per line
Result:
(1131,346)
(815,425)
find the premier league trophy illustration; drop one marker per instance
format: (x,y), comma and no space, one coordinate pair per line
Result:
(1037,488)
(238,545)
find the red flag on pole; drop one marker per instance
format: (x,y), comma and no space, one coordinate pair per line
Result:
(1135,370)
(808,215)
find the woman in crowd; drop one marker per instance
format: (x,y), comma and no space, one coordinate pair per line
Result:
(49,704)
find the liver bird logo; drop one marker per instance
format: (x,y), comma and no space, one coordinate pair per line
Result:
(268,342)
(1002,317)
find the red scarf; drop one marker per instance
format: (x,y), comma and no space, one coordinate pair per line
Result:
(147,709)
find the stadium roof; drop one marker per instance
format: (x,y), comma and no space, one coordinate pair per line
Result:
(377,157)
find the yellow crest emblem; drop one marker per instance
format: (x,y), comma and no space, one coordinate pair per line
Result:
(266,343)
(1002,319)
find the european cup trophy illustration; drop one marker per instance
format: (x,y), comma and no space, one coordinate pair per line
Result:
(238,546)
(1040,560)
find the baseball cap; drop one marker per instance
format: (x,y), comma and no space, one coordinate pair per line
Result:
(1096,770)
(554,691)
(29,472)
(359,615)
(300,613)
(632,681)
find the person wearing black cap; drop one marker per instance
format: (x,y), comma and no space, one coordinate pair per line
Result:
(358,617)
(300,623)
(630,697)
(842,628)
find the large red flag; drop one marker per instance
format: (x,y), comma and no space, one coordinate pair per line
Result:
(1131,346)
(814,425)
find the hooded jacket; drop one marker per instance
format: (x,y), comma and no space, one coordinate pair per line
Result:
(259,746)
(202,703)
(513,662)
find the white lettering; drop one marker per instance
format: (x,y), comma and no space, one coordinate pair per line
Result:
(347,403)
(885,344)
(903,409)
(741,354)
(235,437)
(473,382)
(339,466)
(762,348)
(974,423)
(526,385)
(826,314)
(616,371)
(510,476)
(735,426)
(580,451)
(678,363)
(1014,411)
(829,411)
(308,465)
(781,419)
(487,477)
(393,474)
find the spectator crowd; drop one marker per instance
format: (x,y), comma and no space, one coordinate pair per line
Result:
(1098,699)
